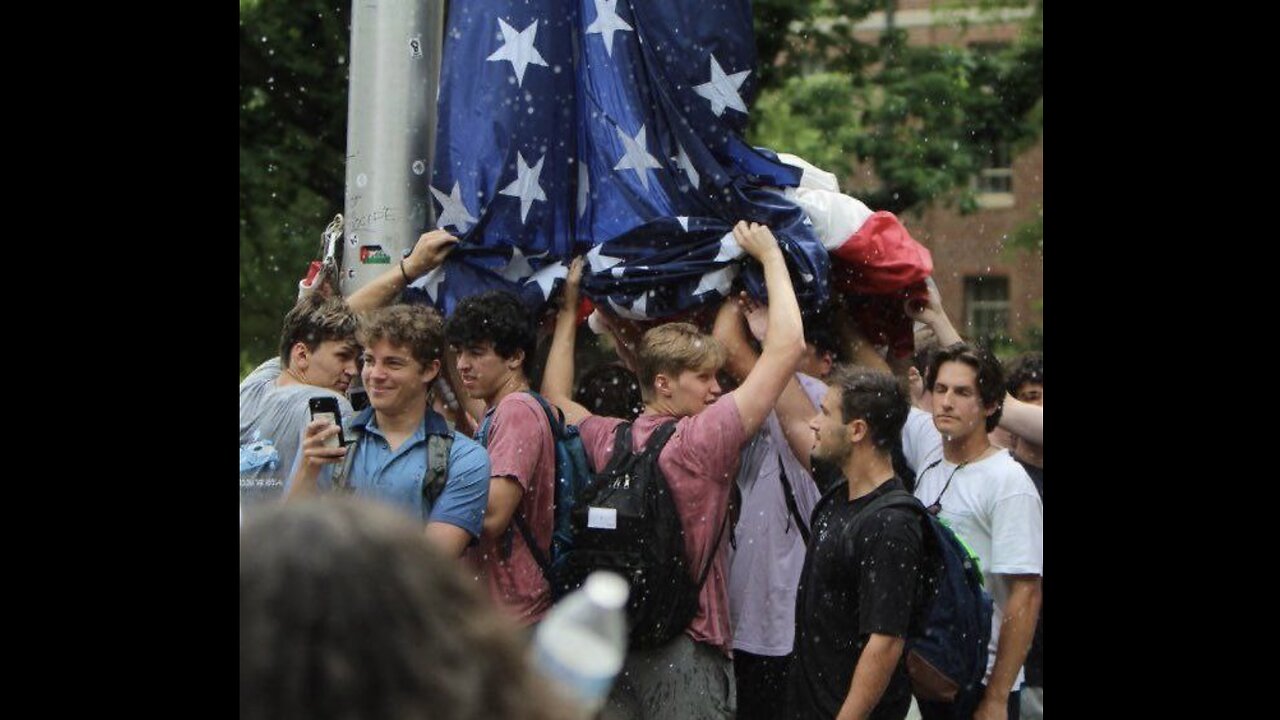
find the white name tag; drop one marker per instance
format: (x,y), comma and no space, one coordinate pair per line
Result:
(604,518)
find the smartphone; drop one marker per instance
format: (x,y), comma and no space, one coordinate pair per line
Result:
(326,408)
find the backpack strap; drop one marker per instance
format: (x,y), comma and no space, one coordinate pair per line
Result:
(892,499)
(621,447)
(518,519)
(792,507)
(438,447)
(555,416)
(433,480)
(482,433)
(531,542)
(653,448)
(715,547)
(342,474)
(556,419)
(658,440)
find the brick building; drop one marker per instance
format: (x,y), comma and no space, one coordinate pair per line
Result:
(989,291)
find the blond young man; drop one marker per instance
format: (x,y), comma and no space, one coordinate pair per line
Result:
(690,676)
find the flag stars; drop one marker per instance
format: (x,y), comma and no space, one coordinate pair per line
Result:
(636,157)
(607,23)
(518,49)
(526,185)
(722,89)
(452,210)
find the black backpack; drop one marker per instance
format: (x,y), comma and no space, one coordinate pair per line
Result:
(626,522)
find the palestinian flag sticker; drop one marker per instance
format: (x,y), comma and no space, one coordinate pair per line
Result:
(373,255)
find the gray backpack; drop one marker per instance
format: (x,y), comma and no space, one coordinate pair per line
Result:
(438,447)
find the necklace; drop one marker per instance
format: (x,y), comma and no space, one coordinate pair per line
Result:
(936,507)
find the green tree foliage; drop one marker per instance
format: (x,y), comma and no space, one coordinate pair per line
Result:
(809,116)
(293,118)
(926,117)
(1029,237)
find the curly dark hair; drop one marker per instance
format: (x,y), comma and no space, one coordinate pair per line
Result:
(347,611)
(496,317)
(610,390)
(819,331)
(984,364)
(1025,368)
(313,320)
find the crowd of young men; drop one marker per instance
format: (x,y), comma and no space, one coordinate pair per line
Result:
(806,605)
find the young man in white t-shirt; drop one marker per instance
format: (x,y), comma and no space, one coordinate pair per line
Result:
(986,497)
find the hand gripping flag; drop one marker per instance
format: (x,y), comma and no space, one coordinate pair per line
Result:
(612,128)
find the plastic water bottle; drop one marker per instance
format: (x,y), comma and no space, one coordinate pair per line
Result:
(583,640)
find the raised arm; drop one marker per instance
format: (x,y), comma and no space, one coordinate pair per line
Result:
(794,407)
(429,252)
(1023,419)
(626,337)
(728,329)
(784,344)
(855,345)
(933,315)
(314,456)
(557,378)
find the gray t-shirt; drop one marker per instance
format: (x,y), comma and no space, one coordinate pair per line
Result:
(272,418)
(765,565)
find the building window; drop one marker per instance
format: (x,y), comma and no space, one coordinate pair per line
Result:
(986,309)
(996,176)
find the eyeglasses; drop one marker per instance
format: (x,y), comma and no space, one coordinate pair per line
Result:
(936,507)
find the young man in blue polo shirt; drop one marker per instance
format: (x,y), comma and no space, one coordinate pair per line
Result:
(402,349)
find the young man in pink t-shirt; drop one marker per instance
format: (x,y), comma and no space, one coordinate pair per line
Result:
(690,676)
(493,339)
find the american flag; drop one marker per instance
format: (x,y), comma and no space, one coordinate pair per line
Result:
(610,128)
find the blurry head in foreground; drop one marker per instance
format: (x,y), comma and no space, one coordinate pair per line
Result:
(346,611)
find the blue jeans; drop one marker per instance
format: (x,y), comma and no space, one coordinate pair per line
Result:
(963,710)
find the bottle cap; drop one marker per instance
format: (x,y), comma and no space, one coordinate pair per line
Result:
(607,589)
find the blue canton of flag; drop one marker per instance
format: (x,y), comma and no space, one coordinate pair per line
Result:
(612,128)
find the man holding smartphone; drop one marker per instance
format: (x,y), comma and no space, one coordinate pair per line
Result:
(317,361)
(398,443)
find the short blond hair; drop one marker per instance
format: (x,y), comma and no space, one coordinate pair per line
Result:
(673,348)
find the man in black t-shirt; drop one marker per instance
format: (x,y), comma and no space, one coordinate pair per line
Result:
(860,586)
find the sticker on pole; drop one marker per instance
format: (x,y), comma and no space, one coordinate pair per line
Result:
(374,255)
(603,518)
(415,47)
